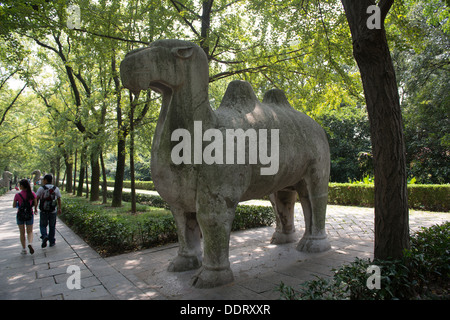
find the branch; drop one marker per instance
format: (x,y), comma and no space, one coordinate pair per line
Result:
(83,83)
(187,9)
(253,69)
(12,103)
(185,20)
(111,37)
(227,62)
(269,79)
(20,134)
(265,57)
(144,111)
(215,47)
(7,78)
(230,73)
(45,46)
(48,105)
(225,6)
(70,73)
(325,30)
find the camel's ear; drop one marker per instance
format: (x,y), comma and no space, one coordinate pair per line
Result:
(183,52)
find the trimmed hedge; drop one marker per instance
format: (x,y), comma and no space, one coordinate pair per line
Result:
(111,234)
(420,196)
(433,197)
(3,190)
(143,185)
(142,198)
(117,234)
(423,197)
(246,217)
(348,194)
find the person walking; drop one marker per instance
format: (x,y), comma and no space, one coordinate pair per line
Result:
(49,199)
(26,194)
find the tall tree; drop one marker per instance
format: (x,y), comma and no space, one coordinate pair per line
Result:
(420,37)
(371,52)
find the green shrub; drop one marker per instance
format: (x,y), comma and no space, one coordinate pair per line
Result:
(420,196)
(430,249)
(107,233)
(423,273)
(423,197)
(113,232)
(432,197)
(142,198)
(349,194)
(246,216)
(3,190)
(252,217)
(142,185)
(157,230)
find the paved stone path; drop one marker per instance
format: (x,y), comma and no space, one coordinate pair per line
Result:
(258,266)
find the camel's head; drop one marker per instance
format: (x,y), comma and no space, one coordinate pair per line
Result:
(164,66)
(8,175)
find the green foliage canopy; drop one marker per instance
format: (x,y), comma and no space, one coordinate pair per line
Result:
(72,99)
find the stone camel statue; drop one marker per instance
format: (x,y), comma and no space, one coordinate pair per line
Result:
(37,176)
(7,176)
(203,195)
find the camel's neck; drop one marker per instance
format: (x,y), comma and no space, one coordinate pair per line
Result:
(189,104)
(179,110)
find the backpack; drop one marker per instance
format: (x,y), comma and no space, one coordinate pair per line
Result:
(25,211)
(48,199)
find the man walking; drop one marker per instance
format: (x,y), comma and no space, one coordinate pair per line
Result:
(49,199)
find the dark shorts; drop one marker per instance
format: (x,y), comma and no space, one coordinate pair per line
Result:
(27,223)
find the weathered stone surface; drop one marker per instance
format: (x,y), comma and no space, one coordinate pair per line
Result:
(4,182)
(36,176)
(202,188)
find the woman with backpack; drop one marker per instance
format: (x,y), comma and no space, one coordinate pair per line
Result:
(26,194)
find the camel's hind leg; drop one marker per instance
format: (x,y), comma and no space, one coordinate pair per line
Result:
(313,197)
(283,203)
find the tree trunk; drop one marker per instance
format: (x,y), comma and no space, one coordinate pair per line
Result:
(80,181)
(206,22)
(69,168)
(75,173)
(82,172)
(120,168)
(104,183)
(58,170)
(371,52)
(121,144)
(87,180)
(63,179)
(95,177)
(133,185)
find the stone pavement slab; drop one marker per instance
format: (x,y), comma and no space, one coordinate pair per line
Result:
(44,274)
(258,266)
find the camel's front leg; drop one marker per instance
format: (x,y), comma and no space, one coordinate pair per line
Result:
(189,252)
(215,215)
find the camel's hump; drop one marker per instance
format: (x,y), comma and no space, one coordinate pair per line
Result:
(239,96)
(277,97)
